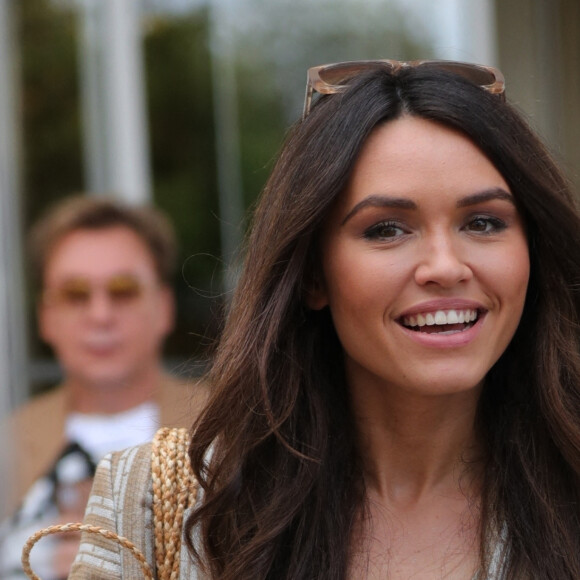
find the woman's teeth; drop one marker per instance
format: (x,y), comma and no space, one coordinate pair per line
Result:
(441,318)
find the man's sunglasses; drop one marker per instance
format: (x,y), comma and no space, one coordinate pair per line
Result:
(328,79)
(77,292)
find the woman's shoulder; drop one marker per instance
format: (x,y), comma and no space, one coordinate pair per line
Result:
(120,502)
(122,474)
(130,464)
(122,488)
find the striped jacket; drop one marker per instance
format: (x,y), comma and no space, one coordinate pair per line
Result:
(121,501)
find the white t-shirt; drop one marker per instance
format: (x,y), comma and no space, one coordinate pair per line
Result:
(101,434)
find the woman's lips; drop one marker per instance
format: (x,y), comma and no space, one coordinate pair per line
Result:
(438,321)
(443,326)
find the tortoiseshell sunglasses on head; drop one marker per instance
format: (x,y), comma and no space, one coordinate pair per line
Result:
(328,79)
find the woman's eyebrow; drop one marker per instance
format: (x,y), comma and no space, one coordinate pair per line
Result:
(380,201)
(486,195)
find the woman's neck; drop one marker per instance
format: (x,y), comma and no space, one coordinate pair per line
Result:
(423,485)
(414,445)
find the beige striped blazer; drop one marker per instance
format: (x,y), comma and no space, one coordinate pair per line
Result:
(121,501)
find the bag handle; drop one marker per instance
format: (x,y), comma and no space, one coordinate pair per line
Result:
(174,490)
(77,527)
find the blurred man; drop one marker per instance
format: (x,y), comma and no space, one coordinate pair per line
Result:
(105,307)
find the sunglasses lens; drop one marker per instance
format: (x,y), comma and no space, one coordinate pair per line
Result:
(476,75)
(77,292)
(74,293)
(124,288)
(341,74)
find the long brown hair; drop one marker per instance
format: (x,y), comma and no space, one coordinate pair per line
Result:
(275,449)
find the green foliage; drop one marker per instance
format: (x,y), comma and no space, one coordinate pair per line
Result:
(51,125)
(278,41)
(182,134)
(183,155)
(262,125)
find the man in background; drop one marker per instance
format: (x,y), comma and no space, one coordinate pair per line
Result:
(105,307)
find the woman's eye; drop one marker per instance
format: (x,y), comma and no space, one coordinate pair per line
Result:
(384,230)
(485,225)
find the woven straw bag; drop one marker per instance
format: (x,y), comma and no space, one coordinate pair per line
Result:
(174,489)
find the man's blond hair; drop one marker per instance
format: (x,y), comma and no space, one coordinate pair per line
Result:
(84,212)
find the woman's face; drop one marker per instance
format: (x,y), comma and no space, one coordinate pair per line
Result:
(425,262)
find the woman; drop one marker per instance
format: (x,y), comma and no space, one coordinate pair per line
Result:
(396,387)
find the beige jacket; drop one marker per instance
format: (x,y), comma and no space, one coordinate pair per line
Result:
(36,430)
(121,501)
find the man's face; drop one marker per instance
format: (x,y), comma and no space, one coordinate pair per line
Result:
(103,310)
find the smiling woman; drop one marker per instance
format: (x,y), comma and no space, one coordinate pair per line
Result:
(397,386)
(439,246)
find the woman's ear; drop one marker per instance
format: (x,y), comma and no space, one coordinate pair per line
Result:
(315,294)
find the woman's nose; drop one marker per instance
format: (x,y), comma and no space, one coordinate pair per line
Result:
(442,262)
